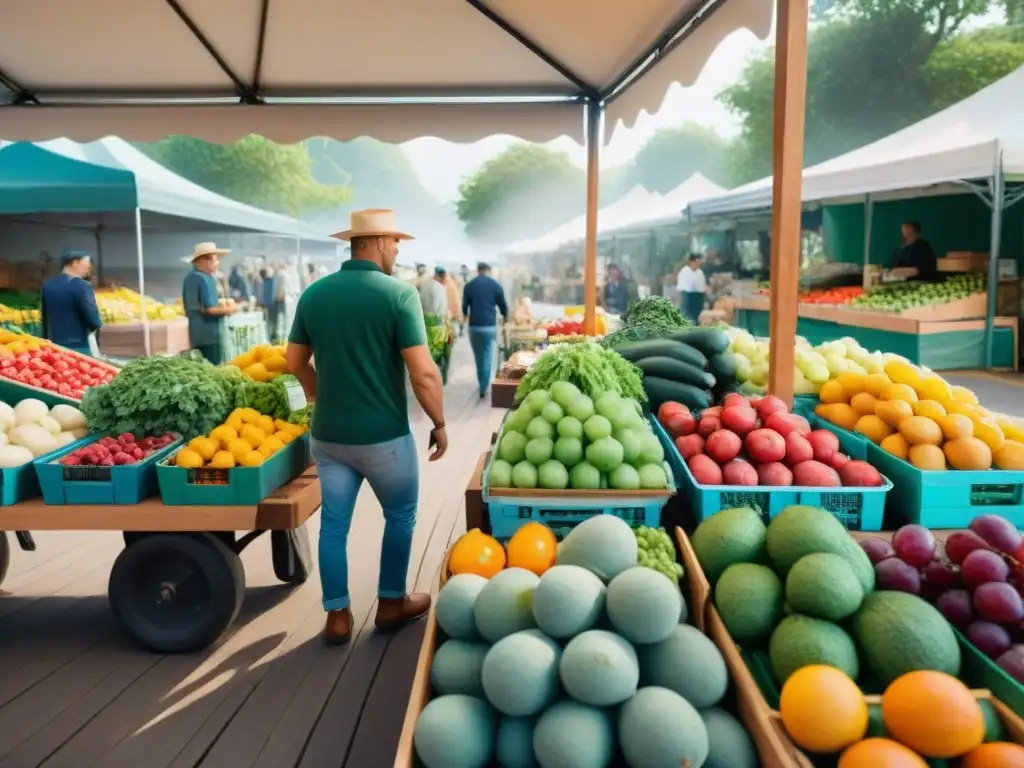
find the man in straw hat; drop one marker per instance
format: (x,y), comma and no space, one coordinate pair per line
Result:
(364,330)
(202,302)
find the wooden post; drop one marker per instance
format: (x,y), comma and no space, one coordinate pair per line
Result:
(594,113)
(787,166)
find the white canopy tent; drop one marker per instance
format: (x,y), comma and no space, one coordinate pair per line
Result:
(669,208)
(394,69)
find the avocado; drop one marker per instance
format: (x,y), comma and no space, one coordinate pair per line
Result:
(749,599)
(800,641)
(823,585)
(728,537)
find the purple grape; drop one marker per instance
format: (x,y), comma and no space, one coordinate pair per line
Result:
(991,639)
(943,575)
(956,606)
(983,566)
(960,544)
(999,602)
(1012,663)
(914,545)
(895,574)
(998,532)
(877,549)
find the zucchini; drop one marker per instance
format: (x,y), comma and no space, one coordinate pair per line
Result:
(723,366)
(673,370)
(661,390)
(710,341)
(638,350)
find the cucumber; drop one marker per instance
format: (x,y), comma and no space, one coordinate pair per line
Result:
(684,353)
(673,370)
(709,341)
(723,366)
(661,390)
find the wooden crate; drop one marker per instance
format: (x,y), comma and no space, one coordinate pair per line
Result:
(503,393)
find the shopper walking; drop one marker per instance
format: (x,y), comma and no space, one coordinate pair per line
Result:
(202,304)
(482,300)
(365,330)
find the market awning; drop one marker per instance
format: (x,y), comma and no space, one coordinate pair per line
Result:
(110,175)
(669,207)
(962,142)
(340,68)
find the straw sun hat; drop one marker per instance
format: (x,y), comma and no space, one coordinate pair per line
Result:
(374,222)
(205,249)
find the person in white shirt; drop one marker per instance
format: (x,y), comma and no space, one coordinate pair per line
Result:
(692,286)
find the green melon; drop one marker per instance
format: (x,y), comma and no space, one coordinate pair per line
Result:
(568,600)
(515,743)
(455,732)
(454,607)
(688,663)
(659,728)
(729,743)
(456,667)
(505,604)
(603,544)
(520,673)
(644,606)
(573,735)
(599,668)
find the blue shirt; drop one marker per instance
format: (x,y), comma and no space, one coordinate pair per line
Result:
(69,311)
(199,292)
(270,290)
(482,299)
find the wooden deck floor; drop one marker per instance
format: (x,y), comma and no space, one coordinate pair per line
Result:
(75,693)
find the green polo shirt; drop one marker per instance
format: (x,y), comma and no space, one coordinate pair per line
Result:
(358,321)
(199,292)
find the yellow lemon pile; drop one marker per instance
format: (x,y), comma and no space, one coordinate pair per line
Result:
(262,363)
(918,416)
(246,439)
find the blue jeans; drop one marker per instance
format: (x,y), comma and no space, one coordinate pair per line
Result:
(483,340)
(392,469)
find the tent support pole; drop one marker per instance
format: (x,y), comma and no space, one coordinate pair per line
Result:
(594,115)
(869,214)
(787,161)
(998,194)
(142,283)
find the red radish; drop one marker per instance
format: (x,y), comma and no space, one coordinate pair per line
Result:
(774,473)
(798,449)
(816,475)
(669,408)
(723,446)
(860,474)
(770,404)
(741,419)
(784,423)
(714,410)
(708,424)
(838,461)
(738,472)
(765,445)
(704,470)
(824,443)
(690,445)
(734,400)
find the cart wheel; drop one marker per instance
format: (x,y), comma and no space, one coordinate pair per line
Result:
(175,593)
(291,554)
(5,555)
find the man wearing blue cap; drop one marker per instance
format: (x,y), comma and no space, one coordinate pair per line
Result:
(69,311)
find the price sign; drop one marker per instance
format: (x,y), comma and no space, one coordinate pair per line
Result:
(296,395)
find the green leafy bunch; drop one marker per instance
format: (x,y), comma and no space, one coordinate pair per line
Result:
(592,368)
(655,312)
(267,397)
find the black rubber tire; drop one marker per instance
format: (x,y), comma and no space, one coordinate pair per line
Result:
(5,555)
(130,537)
(183,620)
(293,559)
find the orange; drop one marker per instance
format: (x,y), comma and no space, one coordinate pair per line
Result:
(833,392)
(1009,456)
(853,383)
(900,392)
(995,754)
(823,709)
(989,433)
(840,414)
(892,412)
(927,457)
(873,428)
(880,753)
(933,713)
(956,425)
(931,409)
(968,453)
(863,403)
(532,547)
(876,383)
(920,430)
(897,445)
(476,552)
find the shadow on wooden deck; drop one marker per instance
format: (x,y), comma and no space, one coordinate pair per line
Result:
(74,693)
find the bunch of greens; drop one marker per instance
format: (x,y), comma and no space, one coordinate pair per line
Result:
(267,397)
(162,394)
(591,367)
(302,416)
(630,333)
(655,312)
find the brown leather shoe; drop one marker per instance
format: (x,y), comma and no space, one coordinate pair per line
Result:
(338,629)
(392,613)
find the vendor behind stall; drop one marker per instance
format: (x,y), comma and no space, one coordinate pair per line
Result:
(616,292)
(69,312)
(916,252)
(202,304)
(692,287)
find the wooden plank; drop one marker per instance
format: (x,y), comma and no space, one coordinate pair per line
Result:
(787,163)
(285,509)
(476,514)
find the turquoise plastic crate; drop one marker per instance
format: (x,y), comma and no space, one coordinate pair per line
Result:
(19,484)
(983,672)
(564,510)
(858,509)
(239,486)
(13,392)
(127,484)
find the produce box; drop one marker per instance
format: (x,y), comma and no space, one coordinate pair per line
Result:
(127,484)
(238,486)
(858,509)
(503,393)
(21,483)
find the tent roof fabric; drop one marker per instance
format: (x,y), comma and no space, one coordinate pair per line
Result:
(112,175)
(668,209)
(962,142)
(223,70)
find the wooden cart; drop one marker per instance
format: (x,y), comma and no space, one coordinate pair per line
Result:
(179,583)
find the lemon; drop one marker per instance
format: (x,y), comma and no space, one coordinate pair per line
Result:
(935,388)
(281,424)
(284,436)
(235,422)
(901,372)
(256,372)
(251,459)
(900,392)
(876,384)
(853,383)
(204,446)
(253,435)
(222,460)
(270,446)
(245,359)
(275,364)
(249,415)
(188,459)
(238,447)
(897,445)
(833,392)
(266,424)
(223,434)
(873,428)
(929,408)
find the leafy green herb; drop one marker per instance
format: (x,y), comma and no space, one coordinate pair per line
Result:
(269,397)
(635,333)
(655,312)
(589,366)
(302,416)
